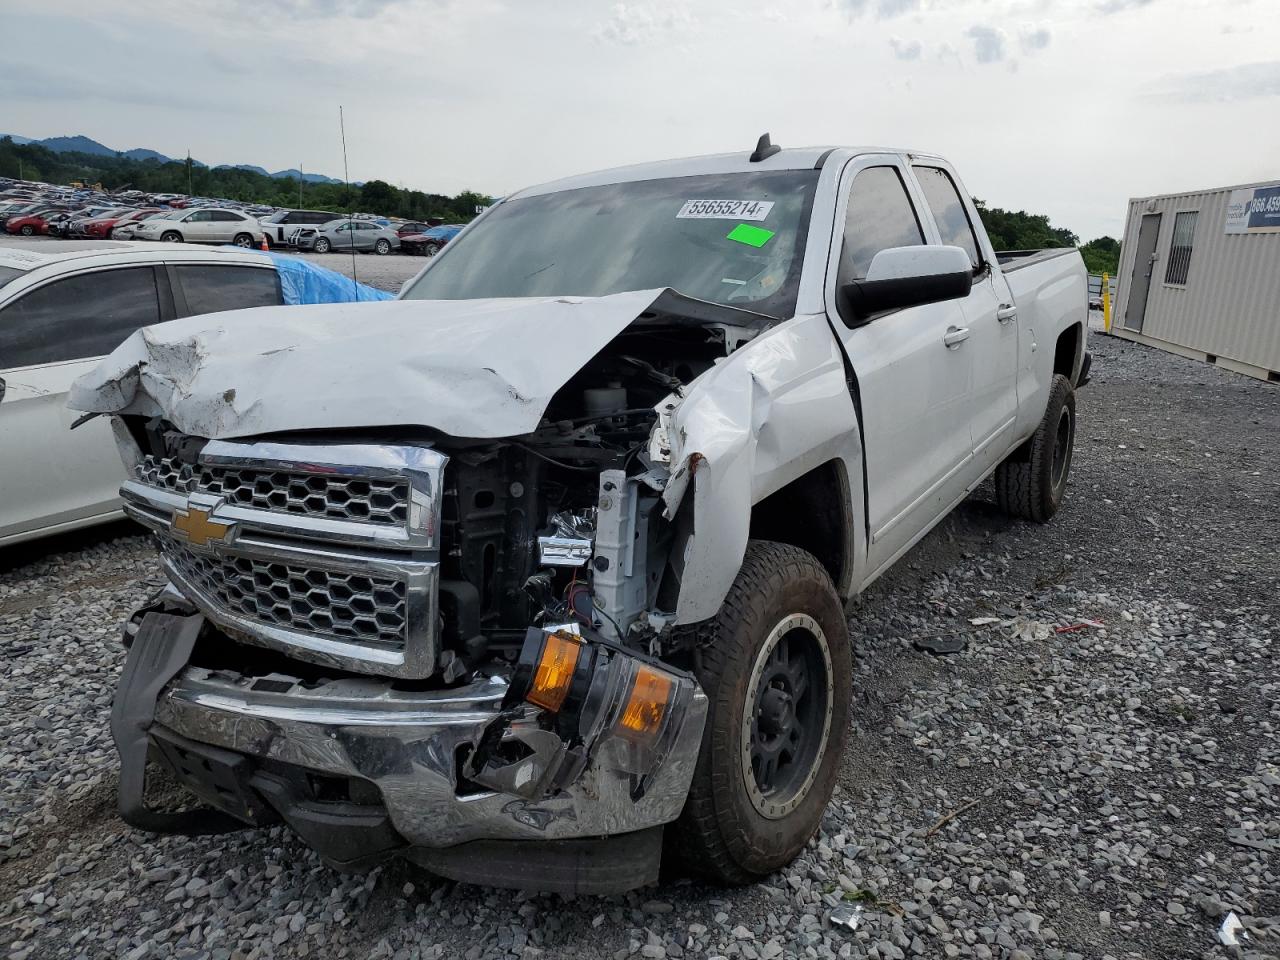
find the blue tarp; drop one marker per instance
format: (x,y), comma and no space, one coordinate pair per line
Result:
(304,282)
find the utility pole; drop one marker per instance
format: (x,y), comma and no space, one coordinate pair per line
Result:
(189,190)
(299,184)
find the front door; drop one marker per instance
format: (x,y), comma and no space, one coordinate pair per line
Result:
(914,386)
(1144,264)
(49,336)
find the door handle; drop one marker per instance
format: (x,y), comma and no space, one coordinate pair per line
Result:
(1006,312)
(955,336)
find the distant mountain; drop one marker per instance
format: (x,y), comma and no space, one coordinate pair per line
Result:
(15,138)
(76,144)
(144,154)
(83,144)
(293,172)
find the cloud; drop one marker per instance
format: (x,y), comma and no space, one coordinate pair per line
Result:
(327,9)
(1118,6)
(1248,81)
(906,49)
(1034,37)
(988,43)
(885,9)
(633,23)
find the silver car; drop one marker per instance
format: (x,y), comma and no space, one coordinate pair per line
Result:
(343,235)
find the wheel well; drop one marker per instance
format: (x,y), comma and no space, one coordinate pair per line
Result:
(812,512)
(1066,352)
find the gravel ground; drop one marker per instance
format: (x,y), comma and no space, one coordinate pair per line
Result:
(1097,775)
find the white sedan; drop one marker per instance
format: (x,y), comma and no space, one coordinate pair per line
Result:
(63,306)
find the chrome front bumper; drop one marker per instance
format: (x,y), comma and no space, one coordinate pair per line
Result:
(413,747)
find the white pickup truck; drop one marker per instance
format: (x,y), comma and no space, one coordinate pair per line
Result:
(542,569)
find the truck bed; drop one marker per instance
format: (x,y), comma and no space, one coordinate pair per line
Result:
(1011,260)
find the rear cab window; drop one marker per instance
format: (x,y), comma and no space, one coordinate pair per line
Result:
(948,211)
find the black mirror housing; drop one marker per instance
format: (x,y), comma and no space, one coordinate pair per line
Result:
(864,299)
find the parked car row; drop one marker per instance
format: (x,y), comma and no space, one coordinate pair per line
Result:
(31,209)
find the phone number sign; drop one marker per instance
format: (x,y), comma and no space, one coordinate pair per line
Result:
(1254,210)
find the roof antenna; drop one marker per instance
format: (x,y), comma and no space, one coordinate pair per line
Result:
(764,149)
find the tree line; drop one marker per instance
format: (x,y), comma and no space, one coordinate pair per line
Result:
(34,162)
(1009,230)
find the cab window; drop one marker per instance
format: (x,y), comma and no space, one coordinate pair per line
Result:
(880,215)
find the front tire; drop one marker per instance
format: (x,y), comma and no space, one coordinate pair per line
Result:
(321,245)
(430,249)
(382,247)
(776,667)
(27,230)
(171,236)
(1032,482)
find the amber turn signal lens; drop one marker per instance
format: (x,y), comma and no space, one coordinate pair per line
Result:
(642,717)
(555,671)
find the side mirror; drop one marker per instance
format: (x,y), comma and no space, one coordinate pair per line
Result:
(907,277)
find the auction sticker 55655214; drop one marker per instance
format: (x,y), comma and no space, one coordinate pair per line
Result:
(725,210)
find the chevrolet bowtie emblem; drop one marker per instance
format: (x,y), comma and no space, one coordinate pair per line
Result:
(194,525)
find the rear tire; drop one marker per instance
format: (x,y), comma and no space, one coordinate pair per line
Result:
(775,665)
(243,240)
(1032,483)
(171,236)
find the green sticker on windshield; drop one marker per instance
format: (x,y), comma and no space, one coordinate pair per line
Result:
(751,236)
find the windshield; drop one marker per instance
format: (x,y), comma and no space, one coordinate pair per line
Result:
(729,238)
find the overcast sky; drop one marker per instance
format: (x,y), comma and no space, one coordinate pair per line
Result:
(1064,107)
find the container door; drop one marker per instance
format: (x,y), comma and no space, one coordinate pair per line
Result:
(1144,263)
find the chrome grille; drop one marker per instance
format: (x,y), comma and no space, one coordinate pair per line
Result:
(327,552)
(338,497)
(382,501)
(166,473)
(346,606)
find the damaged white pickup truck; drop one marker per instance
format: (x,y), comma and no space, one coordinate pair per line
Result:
(545,564)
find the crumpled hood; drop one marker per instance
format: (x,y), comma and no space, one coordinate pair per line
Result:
(469,368)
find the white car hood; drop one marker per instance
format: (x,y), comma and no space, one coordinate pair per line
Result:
(469,368)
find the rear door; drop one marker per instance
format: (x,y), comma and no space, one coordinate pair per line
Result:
(914,390)
(225,225)
(199,226)
(49,335)
(990,316)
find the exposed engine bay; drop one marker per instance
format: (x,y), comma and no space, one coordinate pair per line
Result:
(559,526)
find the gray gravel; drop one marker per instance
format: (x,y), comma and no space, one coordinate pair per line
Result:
(1061,789)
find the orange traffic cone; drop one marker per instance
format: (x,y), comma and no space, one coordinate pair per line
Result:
(265,246)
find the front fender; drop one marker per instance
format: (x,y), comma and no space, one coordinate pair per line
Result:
(771,412)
